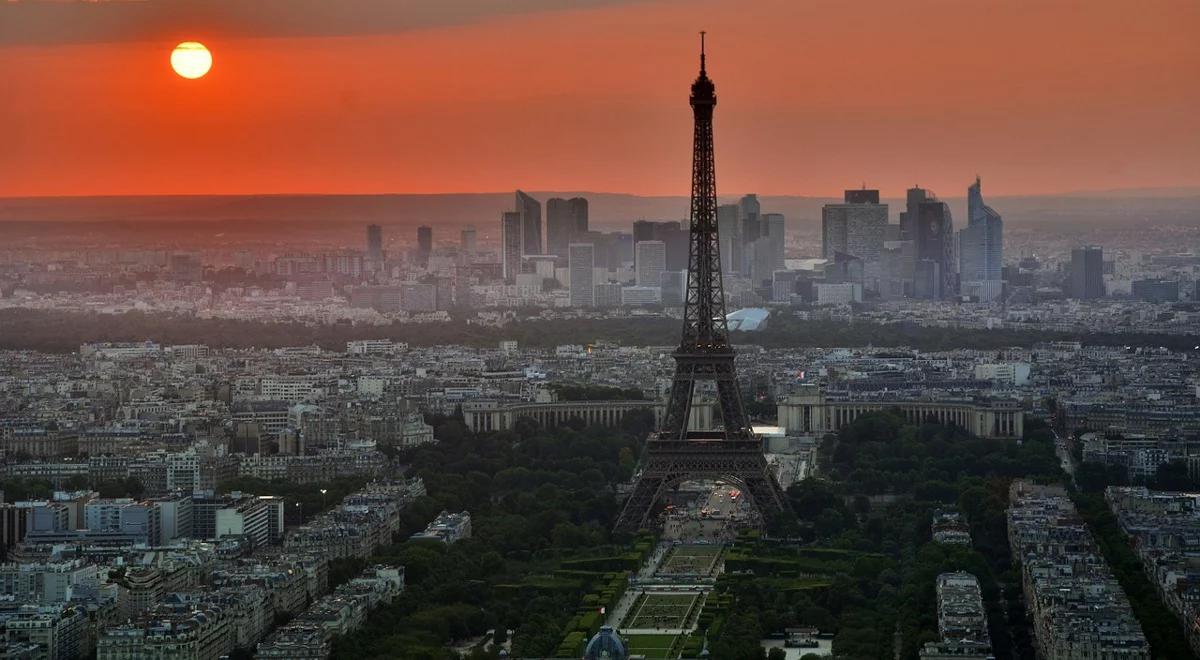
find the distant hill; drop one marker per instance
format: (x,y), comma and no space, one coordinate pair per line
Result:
(607,210)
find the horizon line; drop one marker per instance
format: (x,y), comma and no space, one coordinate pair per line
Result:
(1184,191)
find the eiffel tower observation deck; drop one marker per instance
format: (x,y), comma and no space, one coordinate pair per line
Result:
(732,453)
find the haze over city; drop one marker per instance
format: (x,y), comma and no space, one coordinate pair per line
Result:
(600,330)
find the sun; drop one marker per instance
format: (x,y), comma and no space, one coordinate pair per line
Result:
(191,59)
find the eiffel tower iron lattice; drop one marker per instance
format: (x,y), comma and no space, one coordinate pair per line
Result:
(675,454)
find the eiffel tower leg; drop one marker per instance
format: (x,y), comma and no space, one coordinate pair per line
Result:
(635,514)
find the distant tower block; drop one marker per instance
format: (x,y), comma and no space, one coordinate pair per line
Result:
(675,454)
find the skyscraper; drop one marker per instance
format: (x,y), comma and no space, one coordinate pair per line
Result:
(560,226)
(467,243)
(673,236)
(981,249)
(908,217)
(566,223)
(1087,272)
(934,228)
(510,244)
(530,211)
(424,244)
(749,231)
(579,213)
(650,259)
(776,233)
(729,236)
(375,242)
(581,260)
(856,227)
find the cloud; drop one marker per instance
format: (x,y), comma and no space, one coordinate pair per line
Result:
(46,22)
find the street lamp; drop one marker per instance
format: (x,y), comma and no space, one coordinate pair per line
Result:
(300,510)
(323,491)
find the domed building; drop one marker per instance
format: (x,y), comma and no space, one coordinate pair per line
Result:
(605,645)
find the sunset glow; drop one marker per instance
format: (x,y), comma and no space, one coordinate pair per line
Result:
(815,95)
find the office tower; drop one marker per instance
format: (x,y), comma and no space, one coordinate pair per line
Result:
(776,234)
(856,227)
(673,283)
(467,244)
(1087,272)
(783,285)
(650,260)
(510,244)
(560,226)
(530,211)
(634,296)
(897,266)
(749,227)
(375,242)
(927,280)
(934,229)
(621,244)
(424,244)
(1155,290)
(581,261)
(579,212)
(607,294)
(729,236)
(759,261)
(677,453)
(908,217)
(981,249)
(671,233)
(566,223)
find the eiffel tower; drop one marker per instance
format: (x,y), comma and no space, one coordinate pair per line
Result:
(674,454)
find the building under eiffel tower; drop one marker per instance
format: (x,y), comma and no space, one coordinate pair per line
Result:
(731,453)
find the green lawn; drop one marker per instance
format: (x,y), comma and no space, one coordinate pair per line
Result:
(700,559)
(661,611)
(651,646)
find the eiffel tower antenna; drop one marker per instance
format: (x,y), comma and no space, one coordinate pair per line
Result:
(676,453)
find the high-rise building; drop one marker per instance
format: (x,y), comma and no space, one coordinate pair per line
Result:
(579,213)
(608,294)
(1087,272)
(424,244)
(566,222)
(908,217)
(560,227)
(777,235)
(749,230)
(935,243)
(856,227)
(673,284)
(467,244)
(530,211)
(650,258)
(375,242)
(673,236)
(898,263)
(581,261)
(729,236)
(981,249)
(510,244)
(1155,290)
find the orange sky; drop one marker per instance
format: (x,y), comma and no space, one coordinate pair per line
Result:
(814,96)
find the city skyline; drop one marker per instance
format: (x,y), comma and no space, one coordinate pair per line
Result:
(571,425)
(283,103)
